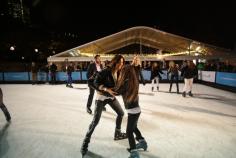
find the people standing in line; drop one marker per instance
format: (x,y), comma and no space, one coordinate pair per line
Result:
(188,72)
(104,82)
(93,68)
(174,75)
(53,71)
(155,75)
(69,70)
(128,87)
(4,108)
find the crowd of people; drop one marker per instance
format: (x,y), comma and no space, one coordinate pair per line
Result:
(217,66)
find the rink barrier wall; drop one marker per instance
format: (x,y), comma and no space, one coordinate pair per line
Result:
(228,79)
(221,78)
(208,76)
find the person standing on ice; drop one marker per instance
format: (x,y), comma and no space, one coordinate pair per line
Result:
(4,108)
(128,87)
(174,75)
(93,68)
(137,63)
(188,72)
(155,75)
(104,81)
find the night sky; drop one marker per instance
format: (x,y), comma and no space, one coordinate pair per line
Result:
(210,23)
(213,23)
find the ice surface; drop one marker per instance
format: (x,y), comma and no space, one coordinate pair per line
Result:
(50,121)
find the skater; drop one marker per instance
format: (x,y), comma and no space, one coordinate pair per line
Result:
(128,87)
(4,108)
(34,72)
(93,68)
(155,75)
(104,81)
(69,70)
(174,75)
(188,72)
(137,63)
(53,71)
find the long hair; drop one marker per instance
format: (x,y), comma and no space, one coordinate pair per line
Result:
(115,60)
(129,75)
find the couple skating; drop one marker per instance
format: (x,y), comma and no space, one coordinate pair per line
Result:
(118,79)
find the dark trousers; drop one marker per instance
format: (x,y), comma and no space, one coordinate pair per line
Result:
(47,78)
(5,111)
(90,97)
(132,128)
(69,80)
(174,78)
(115,105)
(53,77)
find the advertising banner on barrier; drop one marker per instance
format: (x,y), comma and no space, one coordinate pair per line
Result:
(1,76)
(146,75)
(208,76)
(61,76)
(225,78)
(16,76)
(84,75)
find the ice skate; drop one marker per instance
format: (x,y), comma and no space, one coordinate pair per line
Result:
(119,135)
(134,154)
(142,144)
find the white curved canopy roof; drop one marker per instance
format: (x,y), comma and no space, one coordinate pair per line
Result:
(145,36)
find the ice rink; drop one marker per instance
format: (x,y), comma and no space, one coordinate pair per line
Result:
(50,121)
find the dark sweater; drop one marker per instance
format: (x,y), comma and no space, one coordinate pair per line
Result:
(104,78)
(189,72)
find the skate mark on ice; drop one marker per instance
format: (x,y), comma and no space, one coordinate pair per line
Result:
(92,155)
(80,88)
(146,154)
(3,141)
(145,93)
(218,98)
(195,109)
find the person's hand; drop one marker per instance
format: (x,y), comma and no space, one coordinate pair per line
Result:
(111,92)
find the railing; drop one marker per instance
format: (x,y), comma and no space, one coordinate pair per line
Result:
(222,78)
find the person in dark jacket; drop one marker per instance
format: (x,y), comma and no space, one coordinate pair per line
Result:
(174,75)
(34,72)
(69,70)
(4,108)
(128,87)
(93,68)
(53,70)
(155,75)
(188,72)
(104,81)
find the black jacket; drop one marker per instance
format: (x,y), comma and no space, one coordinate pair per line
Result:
(53,68)
(70,69)
(138,70)
(92,69)
(156,73)
(173,71)
(104,78)
(189,73)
